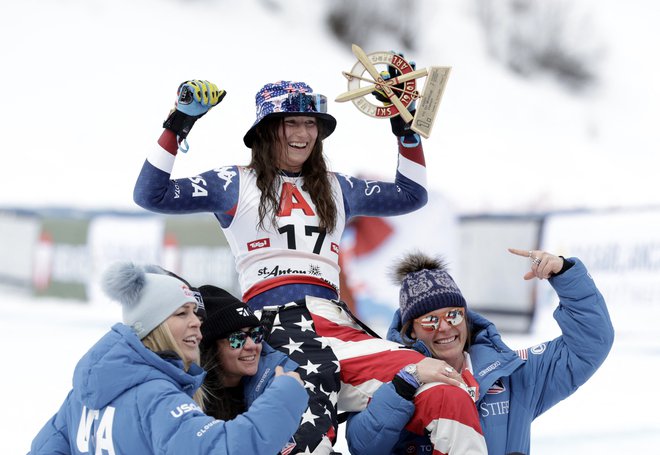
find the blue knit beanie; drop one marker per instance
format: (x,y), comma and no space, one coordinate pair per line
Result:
(425,286)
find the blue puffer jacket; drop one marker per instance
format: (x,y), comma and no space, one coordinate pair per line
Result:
(255,385)
(515,388)
(128,400)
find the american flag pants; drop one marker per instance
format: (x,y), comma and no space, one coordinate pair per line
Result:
(342,367)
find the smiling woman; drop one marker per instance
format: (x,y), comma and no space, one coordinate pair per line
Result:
(511,388)
(240,364)
(143,377)
(283,216)
(297,139)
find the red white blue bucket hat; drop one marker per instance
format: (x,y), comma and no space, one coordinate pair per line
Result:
(286,99)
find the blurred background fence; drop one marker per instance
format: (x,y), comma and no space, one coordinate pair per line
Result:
(62,253)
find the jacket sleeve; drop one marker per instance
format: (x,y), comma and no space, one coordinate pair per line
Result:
(53,438)
(377,428)
(262,430)
(214,191)
(557,368)
(376,198)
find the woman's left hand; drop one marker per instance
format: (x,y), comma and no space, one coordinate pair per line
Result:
(543,266)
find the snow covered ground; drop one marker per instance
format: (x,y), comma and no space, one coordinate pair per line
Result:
(614,413)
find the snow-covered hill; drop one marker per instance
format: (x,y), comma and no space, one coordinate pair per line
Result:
(87,84)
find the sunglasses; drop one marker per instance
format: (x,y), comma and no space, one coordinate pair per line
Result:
(237,339)
(431,322)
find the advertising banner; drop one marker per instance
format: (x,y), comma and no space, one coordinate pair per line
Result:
(371,246)
(195,247)
(491,278)
(621,250)
(18,237)
(61,262)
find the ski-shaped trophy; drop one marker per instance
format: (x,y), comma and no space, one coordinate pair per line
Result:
(365,78)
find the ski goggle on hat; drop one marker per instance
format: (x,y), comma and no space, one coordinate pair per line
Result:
(431,322)
(288,98)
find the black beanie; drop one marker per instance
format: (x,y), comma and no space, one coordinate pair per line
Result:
(224,314)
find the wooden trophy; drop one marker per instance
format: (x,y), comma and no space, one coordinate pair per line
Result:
(427,102)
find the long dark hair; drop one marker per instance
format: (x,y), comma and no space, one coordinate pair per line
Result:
(220,402)
(314,171)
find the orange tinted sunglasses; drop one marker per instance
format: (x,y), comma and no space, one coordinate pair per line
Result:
(431,322)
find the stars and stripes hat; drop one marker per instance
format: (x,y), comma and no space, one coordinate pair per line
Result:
(224,314)
(286,99)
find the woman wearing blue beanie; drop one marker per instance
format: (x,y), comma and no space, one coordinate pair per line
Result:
(511,388)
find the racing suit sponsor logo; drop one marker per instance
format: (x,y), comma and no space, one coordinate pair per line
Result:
(225,174)
(265,272)
(256,244)
(334,247)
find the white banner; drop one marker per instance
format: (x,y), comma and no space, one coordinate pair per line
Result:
(621,250)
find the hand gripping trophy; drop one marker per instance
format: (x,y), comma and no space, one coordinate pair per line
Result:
(401,91)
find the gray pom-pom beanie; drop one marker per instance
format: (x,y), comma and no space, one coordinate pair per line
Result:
(148,294)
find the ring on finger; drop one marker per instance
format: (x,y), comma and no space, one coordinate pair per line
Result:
(536,260)
(449,369)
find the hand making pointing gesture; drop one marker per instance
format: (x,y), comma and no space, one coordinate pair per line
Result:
(543,266)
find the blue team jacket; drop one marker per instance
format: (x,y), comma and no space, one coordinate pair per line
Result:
(515,388)
(128,400)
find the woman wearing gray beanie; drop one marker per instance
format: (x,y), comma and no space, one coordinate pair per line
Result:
(137,390)
(511,388)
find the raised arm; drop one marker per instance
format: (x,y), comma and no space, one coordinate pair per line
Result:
(556,369)
(212,191)
(406,194)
